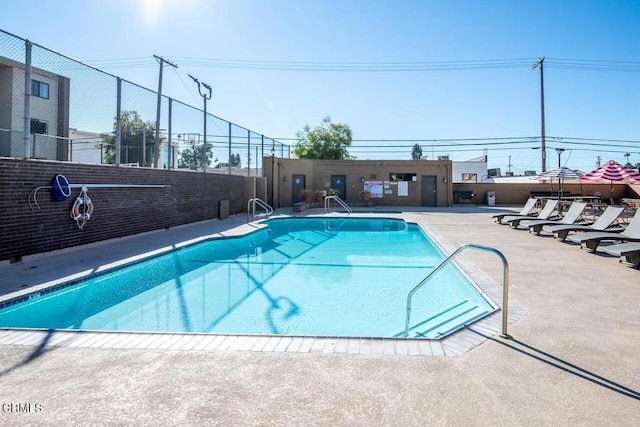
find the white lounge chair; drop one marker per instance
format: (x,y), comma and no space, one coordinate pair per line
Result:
(572,215)
(545,213)
(630,251)
(608,217)
(591,240)
(527,210)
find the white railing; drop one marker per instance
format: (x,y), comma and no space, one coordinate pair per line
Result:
(338,200)
(505,284)
(251,209)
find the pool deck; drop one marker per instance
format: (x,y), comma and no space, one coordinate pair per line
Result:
(574,356)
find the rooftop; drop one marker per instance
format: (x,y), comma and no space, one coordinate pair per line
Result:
(572,358)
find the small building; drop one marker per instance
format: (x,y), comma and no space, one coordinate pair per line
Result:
(470,171)
(85,147)
(49,124)
(388,182)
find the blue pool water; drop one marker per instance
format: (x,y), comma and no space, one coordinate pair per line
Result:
(312,276)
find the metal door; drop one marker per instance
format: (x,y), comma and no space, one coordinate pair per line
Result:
(429,192)
(298,183)
(339,182)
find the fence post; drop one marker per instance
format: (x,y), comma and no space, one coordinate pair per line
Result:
(27,100)
(169,145)
(118,120)
(229,148)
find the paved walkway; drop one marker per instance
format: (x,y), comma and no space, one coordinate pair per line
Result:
(573,358)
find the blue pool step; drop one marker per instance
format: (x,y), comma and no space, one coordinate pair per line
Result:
(445,322)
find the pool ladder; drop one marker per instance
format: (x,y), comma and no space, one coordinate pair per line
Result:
(338,200)
(505,284)
(251,209)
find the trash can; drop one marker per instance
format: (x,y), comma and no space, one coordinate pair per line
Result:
(491,198)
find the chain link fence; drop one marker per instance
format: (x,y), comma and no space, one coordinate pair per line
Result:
(56,108)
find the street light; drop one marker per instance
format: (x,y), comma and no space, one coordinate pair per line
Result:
(205,97)
(559,151)
(273,162)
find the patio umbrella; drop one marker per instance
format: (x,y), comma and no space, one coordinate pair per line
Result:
(562,173)
(612,171)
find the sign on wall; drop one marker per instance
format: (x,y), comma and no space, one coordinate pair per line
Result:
(374,188)
(403,188)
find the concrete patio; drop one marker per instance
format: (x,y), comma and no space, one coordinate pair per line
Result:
(572,360)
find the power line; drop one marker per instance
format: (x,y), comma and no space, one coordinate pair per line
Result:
(562,138)
(397,66)
(431,140)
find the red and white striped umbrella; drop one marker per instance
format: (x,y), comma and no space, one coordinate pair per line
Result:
(611,172)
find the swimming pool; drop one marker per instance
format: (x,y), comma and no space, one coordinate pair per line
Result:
(312,276)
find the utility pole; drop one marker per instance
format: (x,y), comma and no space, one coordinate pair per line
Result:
(542,133)
(156,146)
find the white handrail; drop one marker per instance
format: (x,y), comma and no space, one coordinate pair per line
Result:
(251,208)
(337,199)
(505,284)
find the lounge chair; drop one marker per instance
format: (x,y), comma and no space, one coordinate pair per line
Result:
(631,252)
(592,239)
(608,217)
(527,210)
(572,215)
(545,213)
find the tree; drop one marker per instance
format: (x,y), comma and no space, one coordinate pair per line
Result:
(132,127)
(329,141)
(234,160)
(192,157)
(416,152)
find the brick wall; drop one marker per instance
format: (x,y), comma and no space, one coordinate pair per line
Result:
(189,197)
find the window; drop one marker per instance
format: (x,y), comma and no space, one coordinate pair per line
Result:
(40,89)
(397,176)
(38,127)
(470,177)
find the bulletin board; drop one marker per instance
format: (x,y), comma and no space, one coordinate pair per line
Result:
(374,188)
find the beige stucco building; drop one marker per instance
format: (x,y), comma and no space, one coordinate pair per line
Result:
(389,182)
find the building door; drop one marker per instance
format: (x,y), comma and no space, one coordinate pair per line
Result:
(298,183)
(339,182)
(429,192)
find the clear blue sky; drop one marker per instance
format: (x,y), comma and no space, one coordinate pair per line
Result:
(483,51)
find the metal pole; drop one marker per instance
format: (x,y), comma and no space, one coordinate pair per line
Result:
(159,105)
(204,146)
(229,148)
(144,145)
(156,146)
(27,100)
(204,98)
(542,130)
(118,121)
(273,162)
(248,152)
(169,145)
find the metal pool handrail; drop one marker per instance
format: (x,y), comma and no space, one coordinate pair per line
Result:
(505,284)
(337,199)
(251,208)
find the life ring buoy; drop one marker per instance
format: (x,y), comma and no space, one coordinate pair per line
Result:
(80,214)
